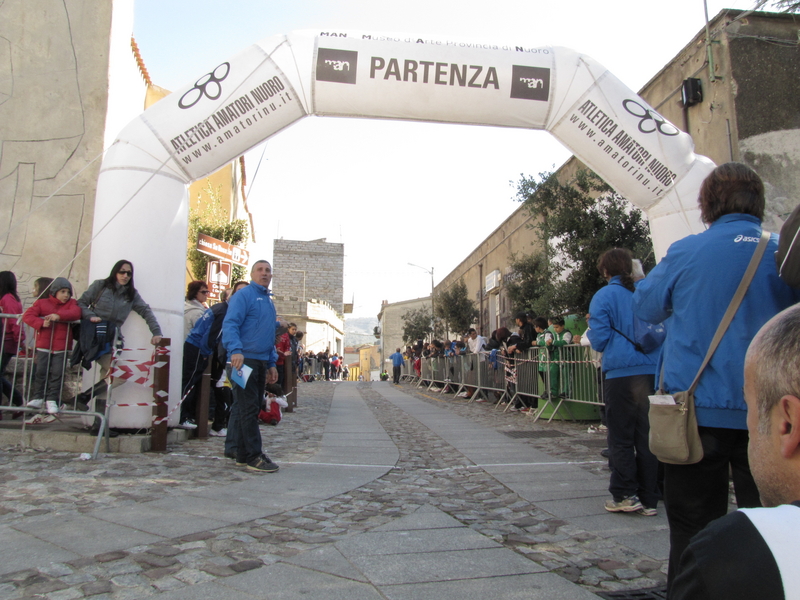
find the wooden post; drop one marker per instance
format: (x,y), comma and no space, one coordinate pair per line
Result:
(158,435)
(201,413)
(289,385)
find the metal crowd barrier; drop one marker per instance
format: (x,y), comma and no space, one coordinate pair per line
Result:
(407,371)
(22,356)
(555,377)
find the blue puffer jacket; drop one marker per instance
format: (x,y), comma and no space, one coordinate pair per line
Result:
(691,289)
(249,327)
(611,307)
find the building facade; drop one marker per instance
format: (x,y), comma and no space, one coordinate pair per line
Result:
(312,269)
(308,287)
(391,326)
(68,84)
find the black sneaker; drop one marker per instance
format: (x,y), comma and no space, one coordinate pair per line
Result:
(262,465)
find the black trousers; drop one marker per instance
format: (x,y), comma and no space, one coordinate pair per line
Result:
(697,494)
(396,374)
(193,366)
(634,469)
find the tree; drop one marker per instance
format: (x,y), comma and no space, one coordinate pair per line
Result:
(456,308)
(787,6)
(528,288)
(211,219)
(577,223)
(416,324)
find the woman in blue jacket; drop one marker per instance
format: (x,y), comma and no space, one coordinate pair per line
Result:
(629,380)
(692,287)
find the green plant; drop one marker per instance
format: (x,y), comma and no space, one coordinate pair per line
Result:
(577,222)
(212,219)
(456,308)
(416,324)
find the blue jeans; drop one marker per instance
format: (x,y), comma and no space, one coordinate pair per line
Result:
(243,422)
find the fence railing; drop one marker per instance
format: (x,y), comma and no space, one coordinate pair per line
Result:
(556,377)
(37,373)
(34,375)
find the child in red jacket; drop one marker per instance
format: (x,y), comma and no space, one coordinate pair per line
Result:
(50,318)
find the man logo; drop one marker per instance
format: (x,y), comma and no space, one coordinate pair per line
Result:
(338,66)
(530,83)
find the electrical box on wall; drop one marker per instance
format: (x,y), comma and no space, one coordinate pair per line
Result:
(691,92)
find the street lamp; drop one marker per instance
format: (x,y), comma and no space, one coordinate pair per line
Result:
(433,314)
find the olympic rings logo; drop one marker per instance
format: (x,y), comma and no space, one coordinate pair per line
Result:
(659,123)
(208,85)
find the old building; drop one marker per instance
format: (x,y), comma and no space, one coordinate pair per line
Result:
(391,325)
(308,287)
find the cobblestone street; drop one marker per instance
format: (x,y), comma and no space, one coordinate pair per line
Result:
(41,488)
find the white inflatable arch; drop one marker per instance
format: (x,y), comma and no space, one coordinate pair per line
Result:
(141,212)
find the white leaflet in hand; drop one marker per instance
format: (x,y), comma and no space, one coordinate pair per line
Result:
(241,376)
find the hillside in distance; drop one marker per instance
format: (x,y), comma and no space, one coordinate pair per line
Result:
(359,331)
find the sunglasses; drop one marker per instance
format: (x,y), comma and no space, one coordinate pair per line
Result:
(125,272)
(203,292)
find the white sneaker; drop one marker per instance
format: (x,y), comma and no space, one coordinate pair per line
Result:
(35,403)
(52,407)
(188,424)
(40,419)
(221,433)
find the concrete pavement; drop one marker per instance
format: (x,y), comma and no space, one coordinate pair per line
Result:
(383,492)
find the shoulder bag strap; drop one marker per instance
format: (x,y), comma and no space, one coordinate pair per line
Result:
(734,305)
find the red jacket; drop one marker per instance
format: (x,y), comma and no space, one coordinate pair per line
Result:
(283,345)
(59,331)
(11,306)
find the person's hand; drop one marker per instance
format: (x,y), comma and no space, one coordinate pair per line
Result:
(272,374)
(512,349)
(237,360)
(95,319)
(46,321)
(549,341)
(53,317)
(155,340)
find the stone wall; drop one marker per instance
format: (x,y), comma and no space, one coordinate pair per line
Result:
(58,105)
(306,270)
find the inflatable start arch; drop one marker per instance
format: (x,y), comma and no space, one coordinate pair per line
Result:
(241,102)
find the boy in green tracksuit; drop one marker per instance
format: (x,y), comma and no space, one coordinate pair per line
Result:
(561,338)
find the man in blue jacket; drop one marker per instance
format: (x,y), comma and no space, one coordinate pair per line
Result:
(398,360)
(689,291)
(248,335)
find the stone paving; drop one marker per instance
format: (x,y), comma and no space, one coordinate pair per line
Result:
(38,484)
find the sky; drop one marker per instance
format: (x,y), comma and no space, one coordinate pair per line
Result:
(404,192)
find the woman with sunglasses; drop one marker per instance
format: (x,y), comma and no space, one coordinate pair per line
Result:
(194,305)
(112,299)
